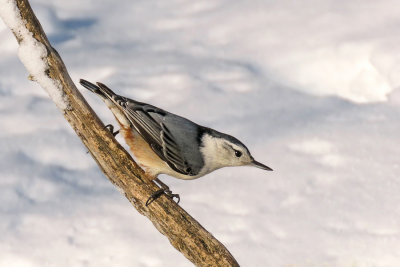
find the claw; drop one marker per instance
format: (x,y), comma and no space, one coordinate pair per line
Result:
(163,190)
(169,194)
(110,127)
(177,197)
(154,196)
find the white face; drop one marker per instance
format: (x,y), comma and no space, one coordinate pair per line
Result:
(234,155)
(220,153)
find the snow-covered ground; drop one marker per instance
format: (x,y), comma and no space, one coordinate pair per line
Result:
(312,88)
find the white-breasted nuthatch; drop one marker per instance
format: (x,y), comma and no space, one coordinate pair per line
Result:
(165,143)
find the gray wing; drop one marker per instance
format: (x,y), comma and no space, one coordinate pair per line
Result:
(174,139)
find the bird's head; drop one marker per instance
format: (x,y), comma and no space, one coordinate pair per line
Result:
(222,150)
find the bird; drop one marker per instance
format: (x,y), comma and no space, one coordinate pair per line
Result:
(165,143)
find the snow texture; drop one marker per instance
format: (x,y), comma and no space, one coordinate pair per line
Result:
(32,53)
(311,87)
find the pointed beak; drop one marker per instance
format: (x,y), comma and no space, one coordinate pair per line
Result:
(260,165)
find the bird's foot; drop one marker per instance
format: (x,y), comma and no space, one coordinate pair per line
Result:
(110,127)
(163,190)
(159,192)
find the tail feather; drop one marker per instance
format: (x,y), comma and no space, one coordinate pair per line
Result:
(107,91)
(90,86)
(104,92)
(99,89)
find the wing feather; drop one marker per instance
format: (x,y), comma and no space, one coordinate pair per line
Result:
(148,121)
(160,138)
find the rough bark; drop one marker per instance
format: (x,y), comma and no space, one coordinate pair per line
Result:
(183,231)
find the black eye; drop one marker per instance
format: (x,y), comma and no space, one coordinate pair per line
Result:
(238,153)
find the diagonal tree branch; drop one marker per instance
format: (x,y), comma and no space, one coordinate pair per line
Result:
(47,68)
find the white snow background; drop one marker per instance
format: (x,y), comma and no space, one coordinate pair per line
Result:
(311,87)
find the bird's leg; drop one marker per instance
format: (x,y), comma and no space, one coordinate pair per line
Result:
(163,190)
(110,127)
